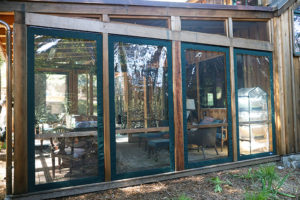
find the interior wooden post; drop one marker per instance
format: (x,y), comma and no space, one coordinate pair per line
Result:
(198,94)
(20,106)
(145,103)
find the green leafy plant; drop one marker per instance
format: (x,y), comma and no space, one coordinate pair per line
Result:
(2,145)
(218,183)
(270,183)
(183,197)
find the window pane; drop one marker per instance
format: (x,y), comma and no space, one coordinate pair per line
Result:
(141,103)
(204,26)
(147,22)
(297,32)
(65,118)
(206,105)
(254,104)
(251,30)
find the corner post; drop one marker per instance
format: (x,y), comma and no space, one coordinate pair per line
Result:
(20,105)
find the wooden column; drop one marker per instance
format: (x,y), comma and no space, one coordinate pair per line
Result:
(232,86)
(177,95)
(278,89)
(106,115)
(178,108)
(20,106)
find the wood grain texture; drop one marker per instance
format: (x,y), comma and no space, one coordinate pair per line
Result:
(287,83)
(278,96)
(20,109)
(106,108)
(178,107)
(233,105)
(143,31)
(200,10)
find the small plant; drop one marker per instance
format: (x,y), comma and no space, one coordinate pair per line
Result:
(218,183)
(270,185)
(2,145)
(184,197)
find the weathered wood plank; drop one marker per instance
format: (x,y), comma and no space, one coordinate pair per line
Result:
(277,73)
(20,107)
(287,78)
(201,11)
(106,108)
(233,105)
(143,31)
(178,107)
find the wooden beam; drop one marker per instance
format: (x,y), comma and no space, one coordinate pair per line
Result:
(232,87)
(106,109)
(287,83)
(20,106)
(233,106)
(178,107)
(143,31)
(200,11)
(278,88)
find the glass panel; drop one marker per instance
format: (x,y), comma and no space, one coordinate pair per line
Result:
(254,104)
(147,22)
(204,26)
(251,30)
(206,105)
(297,32)
(141,107)
(65,111)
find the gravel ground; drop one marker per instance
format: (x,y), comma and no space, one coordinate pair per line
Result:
(197,187)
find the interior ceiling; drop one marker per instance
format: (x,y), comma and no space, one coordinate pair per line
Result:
(7,17)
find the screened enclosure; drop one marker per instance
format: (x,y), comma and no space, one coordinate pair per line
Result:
(141,105)
(255,102)
(65,102)
(206,103)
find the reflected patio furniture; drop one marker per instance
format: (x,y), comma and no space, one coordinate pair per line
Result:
(155,145)
(203,137)
(145,137)
(58,150)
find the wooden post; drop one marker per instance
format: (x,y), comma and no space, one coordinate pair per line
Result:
(232,86)
(178,107)
(177,95)
(287,84)
(91,102)
(106,121)
(20,106)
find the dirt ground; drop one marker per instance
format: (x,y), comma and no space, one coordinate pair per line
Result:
(194,187)
(197,187)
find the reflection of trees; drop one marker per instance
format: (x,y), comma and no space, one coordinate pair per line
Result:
(297,32)
(68,56)
(140,77)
